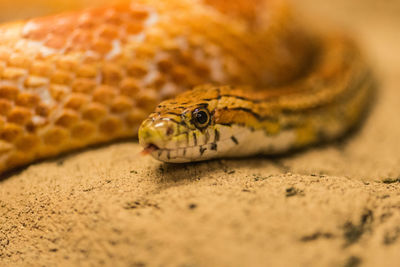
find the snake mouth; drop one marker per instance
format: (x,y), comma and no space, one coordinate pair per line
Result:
(174,155)
(150,148)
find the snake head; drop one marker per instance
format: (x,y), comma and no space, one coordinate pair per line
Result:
(211,122)
(195,126)
(181,129)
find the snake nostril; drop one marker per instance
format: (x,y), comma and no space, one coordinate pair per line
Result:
(169,131)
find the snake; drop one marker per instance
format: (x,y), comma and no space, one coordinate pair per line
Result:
(192,79)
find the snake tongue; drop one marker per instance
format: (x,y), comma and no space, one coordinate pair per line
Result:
(149,149)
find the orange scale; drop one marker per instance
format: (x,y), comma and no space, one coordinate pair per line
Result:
(19,61)
(28,100)
(112,17)
(159,82)
(11,73)
(87,21)
(121,104)
(147,99)
(110,126)
(81,37)
(56,42)
(111,74)
(35,81)
(27,143)
(98,12)
(43,110)
(76,47)
(203,70)
(137,69)
(186,58)
(5,54)
(145,52)
(5,106)
(67,64)
(15,158)
(83,85)
(121,8)
(108,32)
(19,115)
(2,68)
(67,119)
(55,136)
(92,59)
(41,69)
(65,24)
(76,101)
(129,87)
(10,132)
(180,75)
(123,37)
(139,13)
(8,92)
(135,117)
(134,28)
(87,71)
(58,92)
(165,65)
(101,46)
(93,112)
(104,94)
(39,33)
(62,77)
(82,131)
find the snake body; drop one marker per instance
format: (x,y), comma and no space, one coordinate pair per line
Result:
(76,79)
(243,121)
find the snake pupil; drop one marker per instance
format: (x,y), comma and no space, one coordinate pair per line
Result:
(201,118)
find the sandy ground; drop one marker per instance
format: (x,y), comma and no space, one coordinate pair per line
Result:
(337,205)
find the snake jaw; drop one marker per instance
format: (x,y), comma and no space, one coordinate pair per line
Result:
(149,149)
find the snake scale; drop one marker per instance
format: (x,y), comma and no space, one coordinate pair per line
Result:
(263,83)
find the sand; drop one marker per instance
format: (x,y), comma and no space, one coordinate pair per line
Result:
(336,205)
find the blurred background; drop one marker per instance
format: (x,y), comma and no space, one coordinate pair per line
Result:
(386,10)
(21,9)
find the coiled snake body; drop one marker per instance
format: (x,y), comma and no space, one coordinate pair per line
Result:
(88,77)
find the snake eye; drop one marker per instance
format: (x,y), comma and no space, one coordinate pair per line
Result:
(201,117)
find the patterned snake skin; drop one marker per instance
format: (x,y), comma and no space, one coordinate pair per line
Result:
(89,77)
